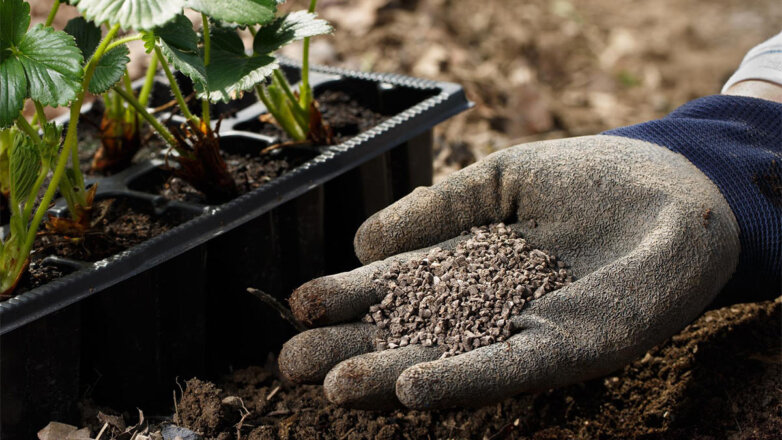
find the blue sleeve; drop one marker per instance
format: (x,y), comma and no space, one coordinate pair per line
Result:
(737,142)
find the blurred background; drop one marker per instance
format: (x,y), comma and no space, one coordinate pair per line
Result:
(538,69)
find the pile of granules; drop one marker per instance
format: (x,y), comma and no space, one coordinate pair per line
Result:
(464,298)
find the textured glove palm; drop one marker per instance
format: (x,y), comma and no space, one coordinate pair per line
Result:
(648,237)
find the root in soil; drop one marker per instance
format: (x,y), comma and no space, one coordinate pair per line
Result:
(464,298)
(202,164)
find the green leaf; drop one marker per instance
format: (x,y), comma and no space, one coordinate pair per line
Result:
(52,137)
(131,14)
(24,166)
(14,20)
(6,138)
(237,11)
(294,26)
(109,70)
(52,63)
(149,41)
(13,90)
(86,34)
(179,34)
(179,44)
(231,71)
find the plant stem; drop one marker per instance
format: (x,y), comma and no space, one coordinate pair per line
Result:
(207,56)
(160,128)
(73,122)
(301,116)
(149,81)
(305,93)
(260,90)
(128,113)
(175,87)
(70,140)
(123,40)
(40,116)
(69,144)
(28,206)
(52,13)
(25,126)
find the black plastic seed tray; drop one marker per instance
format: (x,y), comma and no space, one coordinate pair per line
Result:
(120,329)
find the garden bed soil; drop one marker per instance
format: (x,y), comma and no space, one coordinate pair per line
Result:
(719,378)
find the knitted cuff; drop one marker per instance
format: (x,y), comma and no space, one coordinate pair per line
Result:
(737,142)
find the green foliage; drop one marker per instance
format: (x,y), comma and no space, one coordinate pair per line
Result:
(52,63)
(244,12)
(26,173)
(179,44)
(131,14)
(149,41)
(291,27)
(50,145)
(40,63)
(14,21)
(110,67)
(231,71)
(86,34)
(5,144)
(24,165)
(13,85)
(292,112)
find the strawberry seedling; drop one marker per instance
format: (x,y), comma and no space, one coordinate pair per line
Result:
(46,67)
(215,60)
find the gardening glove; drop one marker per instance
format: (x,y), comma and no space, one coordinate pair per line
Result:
(652,220)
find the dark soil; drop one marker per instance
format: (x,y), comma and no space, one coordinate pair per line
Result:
(250,170)
(118,224)
(720,378)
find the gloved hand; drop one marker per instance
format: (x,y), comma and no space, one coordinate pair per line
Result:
(648,237)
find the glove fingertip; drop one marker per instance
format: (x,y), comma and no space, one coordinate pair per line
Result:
(413,388)
(307,302)
(290,362)
(368,242)
(351,384)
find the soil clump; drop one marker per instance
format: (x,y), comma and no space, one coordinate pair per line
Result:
(717,378)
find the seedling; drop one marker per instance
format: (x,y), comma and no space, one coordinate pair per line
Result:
(216,62)
(295,112)
(46,67)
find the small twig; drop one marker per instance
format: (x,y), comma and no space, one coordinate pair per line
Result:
(279,412)
(347,434)
(274,391)
(102,430)
(176,409)
(244,415)
(279,307)
(171,103)
(505,430)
